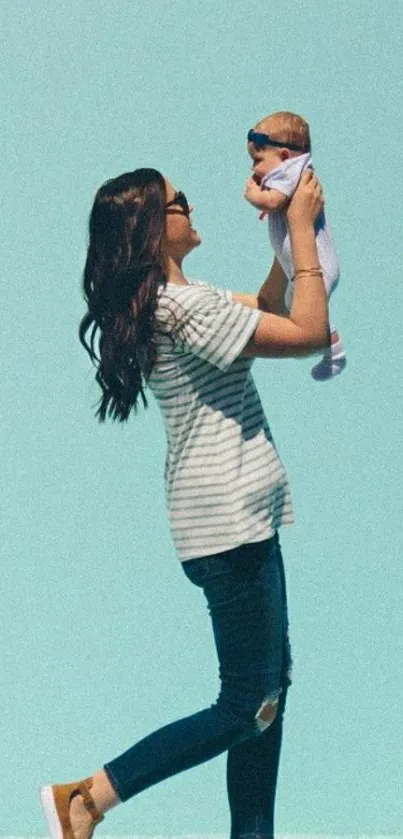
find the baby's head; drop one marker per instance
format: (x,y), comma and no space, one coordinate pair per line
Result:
(276,138)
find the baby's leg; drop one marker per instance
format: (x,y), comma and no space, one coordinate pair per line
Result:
(331,281)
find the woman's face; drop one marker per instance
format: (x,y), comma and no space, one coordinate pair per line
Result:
(180,236)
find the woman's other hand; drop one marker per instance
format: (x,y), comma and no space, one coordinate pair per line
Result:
(307,201)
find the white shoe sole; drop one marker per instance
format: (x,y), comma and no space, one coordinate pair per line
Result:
(49,809)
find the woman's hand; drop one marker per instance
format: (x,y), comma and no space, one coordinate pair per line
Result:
(307,201)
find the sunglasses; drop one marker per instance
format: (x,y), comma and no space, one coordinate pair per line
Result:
(179,200)
(261,140)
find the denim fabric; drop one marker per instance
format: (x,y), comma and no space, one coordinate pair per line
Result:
(246,597)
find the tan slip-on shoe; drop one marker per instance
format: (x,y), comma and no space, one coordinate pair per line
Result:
(56,802)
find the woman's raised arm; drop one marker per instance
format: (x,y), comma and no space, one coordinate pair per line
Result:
(306,331)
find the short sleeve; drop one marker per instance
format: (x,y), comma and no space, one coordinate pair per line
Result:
(209,323)
(285,177)
(224,292)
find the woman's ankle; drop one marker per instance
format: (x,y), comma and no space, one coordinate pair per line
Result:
(103,793)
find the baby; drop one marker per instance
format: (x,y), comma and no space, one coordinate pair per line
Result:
(280,148)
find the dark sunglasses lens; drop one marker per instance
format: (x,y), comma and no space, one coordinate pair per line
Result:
(180,200)
(183,202)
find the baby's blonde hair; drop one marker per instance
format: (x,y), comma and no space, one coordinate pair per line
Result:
(286,128)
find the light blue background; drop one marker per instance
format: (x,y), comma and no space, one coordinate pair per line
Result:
(103,638)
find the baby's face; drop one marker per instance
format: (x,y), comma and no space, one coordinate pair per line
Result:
(264,160)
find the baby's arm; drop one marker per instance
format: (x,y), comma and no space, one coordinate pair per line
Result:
(269,200)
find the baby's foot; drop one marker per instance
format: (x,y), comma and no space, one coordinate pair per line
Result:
(332,364)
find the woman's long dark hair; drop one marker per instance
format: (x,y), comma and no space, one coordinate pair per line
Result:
(123,271)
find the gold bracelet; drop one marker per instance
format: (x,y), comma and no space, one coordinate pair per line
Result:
(309,271)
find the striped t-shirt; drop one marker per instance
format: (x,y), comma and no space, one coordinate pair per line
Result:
(224,482)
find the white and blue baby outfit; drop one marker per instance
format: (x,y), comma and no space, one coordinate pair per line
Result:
(285,179)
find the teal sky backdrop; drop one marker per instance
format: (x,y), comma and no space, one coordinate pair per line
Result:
(103,639)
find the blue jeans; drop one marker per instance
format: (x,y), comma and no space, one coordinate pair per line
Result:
(246,596)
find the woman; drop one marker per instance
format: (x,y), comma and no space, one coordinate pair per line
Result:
(226,488)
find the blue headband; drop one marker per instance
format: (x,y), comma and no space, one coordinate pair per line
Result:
(261,140)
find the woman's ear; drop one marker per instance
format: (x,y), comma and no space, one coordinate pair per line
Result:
(285,154)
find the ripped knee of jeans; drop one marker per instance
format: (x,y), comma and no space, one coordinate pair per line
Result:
(266,713)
